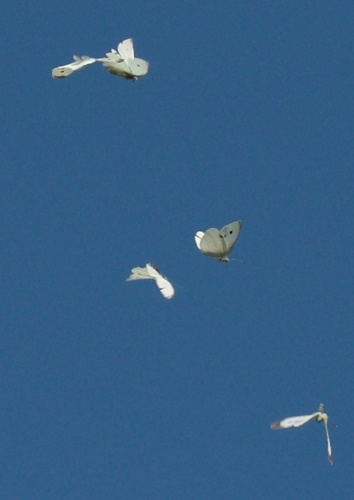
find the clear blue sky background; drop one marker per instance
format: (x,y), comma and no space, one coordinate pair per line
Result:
(108,391)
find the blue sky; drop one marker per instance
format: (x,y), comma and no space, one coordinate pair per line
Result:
(109,391)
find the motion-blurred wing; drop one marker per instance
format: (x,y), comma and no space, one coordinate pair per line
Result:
(115,64)
(323,417)
(140,273)
(112,56)
(293,421)
(68,69)
(118,69)
(162,282)
(329,447)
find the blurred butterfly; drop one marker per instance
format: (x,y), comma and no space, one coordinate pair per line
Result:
(121,62)
(151,272)
(320,416)
(218,244)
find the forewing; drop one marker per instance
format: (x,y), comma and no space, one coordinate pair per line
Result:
(230,234)
(212,244)
(126,49)
(293,421)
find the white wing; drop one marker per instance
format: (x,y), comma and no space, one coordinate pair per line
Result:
(68,69)
(293,421)
(165,288)
(112,56)
(210,243)
(198,237)
(329,447)
(126,49)
(139,273)
(138,67)
(323,417)
(117,68)
(230,234)
(162,282)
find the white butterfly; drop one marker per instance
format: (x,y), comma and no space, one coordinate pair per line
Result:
(151,272)
(218,244)
(119,62)
(320,416)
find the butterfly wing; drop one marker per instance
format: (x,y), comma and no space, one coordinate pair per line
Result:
(230,234)
(198,238)
(323,417)
(126,49)
(112,56)
(165,287)
(68,69)
(210,243)
(139,273)
(329,447)
(285,423)
(138,67)
(162,282)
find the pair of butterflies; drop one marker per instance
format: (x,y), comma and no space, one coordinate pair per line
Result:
(120,62)
(319,416)
(213,243)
